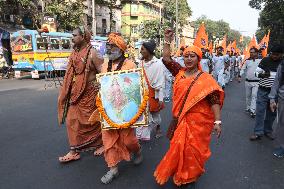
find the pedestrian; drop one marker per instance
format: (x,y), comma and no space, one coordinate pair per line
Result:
(251,83)
(266,71)
(197,102)
(180,59)
(205,62)
(276,97)
(118,143)
(76,100)
(155,77)
(3,67)
(219,66)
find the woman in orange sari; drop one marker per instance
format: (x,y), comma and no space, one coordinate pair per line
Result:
(200,115)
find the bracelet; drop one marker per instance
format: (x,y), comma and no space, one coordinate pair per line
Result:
(218,122)
(167,42)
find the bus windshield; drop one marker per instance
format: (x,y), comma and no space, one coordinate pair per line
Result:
(22,43)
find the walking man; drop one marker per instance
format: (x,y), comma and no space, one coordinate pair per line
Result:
(277,100)
(251,83)
(266,71)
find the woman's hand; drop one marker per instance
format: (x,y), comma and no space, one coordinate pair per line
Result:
(169,35)
(217,129)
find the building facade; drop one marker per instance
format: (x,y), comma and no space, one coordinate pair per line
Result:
(134,13)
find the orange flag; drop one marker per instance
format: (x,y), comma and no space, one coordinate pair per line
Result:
(229,48)
(252,43)
(264,44)
(234,46)
(246,54)
(201,39)
(224,44)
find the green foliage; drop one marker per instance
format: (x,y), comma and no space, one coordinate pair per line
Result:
(184,11)
(68,14)
(151,29)
(271,18)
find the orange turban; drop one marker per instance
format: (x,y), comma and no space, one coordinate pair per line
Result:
(195,50)
(117,40)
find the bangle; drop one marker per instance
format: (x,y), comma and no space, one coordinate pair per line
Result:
(218,122)
(167,42)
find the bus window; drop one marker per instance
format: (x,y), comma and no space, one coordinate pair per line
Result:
(22,43)
(42,42)
(54,43)
(66,44)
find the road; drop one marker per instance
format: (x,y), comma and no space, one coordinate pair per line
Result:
(31,142)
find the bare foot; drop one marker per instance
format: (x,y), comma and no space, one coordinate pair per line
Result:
(99,151)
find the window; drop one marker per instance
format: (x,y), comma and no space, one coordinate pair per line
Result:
(104,26)
(66,44)
(42,42)
(54,43)
(22,43)
(134,29)
(113,26)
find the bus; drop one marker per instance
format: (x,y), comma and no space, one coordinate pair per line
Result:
(35,53)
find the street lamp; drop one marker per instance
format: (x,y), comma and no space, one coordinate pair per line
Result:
(94,25)
(177,23)
(160,32)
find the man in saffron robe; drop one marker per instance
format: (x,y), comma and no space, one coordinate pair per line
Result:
(189,147)
(76,100)
(118,143)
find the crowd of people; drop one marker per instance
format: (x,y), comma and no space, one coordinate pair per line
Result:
(197,80)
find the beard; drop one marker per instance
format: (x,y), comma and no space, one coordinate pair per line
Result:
(114,55)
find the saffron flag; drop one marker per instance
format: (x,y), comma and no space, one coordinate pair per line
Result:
(264,44)
(201,39)
(234,46)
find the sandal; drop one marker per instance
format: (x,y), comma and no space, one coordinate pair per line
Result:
(255,137)
(109,176)
(99,151)
(69,157)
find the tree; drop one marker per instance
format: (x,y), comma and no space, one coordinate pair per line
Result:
(68,14)
(150,27)
(169,10)
(218,29)
(271,18)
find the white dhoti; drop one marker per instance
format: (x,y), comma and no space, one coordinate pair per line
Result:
(144,132)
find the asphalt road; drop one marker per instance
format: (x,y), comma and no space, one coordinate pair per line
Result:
(31,141)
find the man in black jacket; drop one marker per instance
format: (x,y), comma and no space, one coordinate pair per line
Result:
(266,71)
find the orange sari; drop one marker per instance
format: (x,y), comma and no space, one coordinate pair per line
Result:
(119,143)
(189,147)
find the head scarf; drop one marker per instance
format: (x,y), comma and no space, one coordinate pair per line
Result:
(195,50)
(117,40)
(86,33)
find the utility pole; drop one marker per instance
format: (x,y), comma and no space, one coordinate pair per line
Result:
(94,25)
(177,24)
(160,32)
